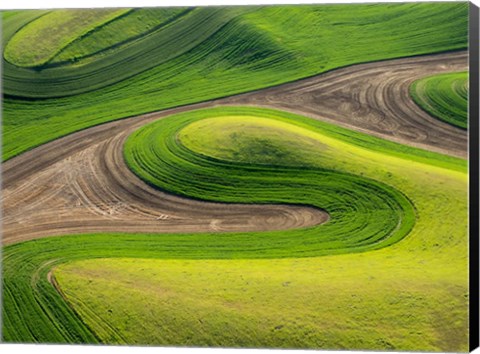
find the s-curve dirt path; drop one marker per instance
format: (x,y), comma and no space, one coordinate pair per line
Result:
(80,183)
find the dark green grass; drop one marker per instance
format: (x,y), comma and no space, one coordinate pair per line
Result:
(250,49)
(318,38)
(444,96)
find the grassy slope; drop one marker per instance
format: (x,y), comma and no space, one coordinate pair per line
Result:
(363,213)
(59,117)
(407,291)
(262,48)
(8,13)
(147,52)
(444,96)
(329,303)
(39,41)
(122,31)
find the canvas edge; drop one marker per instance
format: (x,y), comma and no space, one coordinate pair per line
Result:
(473,50)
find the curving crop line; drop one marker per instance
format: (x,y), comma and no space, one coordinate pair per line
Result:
(444,96)
(111,36)
(80,184)
(47,36)
(364,214)
(378,104)
(153,49)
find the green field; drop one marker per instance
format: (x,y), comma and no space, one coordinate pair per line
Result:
(387,271)
(426,273)
(444,96)
(50,34)
(121,32)
(364,214)
(65,37)
(227,53)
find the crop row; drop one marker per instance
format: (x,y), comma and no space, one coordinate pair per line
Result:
(364,214)
(47,35)
(444,96)
(146,53)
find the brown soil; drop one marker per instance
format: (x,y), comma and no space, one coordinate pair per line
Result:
(80,183)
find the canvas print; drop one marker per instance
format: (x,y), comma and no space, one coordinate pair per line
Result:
(284,176)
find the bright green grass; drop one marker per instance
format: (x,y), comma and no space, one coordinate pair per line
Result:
(444,96)
(264,47)
(215,289)
(39,41)
(8,13)
(378,302)
(363,213)
(119,32)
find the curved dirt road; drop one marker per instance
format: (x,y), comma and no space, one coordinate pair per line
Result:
(80,183)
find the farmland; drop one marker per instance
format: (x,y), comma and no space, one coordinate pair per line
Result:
(274,46)
(236,177)
(444,96)
(50,33)
(424,245)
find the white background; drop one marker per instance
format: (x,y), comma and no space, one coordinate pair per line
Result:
(64,349)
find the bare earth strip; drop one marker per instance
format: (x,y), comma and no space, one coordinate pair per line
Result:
(80,183)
